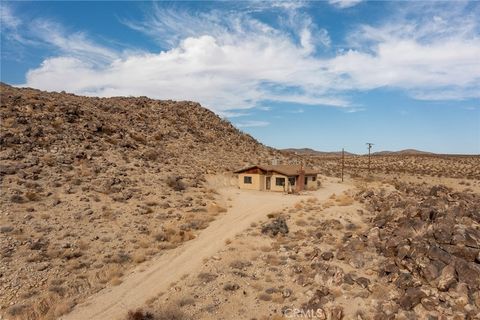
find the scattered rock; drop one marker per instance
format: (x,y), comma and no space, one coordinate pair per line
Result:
(447,278)
(277,226)
(231,287)
(327,256)
(411,298)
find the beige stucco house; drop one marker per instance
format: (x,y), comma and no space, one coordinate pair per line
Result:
(285,178)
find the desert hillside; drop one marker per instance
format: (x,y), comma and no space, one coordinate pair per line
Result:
(92,186)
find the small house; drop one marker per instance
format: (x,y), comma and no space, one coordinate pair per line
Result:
(286,178)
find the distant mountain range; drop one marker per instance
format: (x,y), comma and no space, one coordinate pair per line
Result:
(406,151)
(308,151)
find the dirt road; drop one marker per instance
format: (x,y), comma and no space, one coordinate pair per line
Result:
(148,281)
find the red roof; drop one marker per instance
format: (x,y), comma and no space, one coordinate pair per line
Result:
(288,170)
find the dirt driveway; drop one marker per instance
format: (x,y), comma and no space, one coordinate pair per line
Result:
(150,279)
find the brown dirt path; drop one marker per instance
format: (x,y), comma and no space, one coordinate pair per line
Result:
(147,281)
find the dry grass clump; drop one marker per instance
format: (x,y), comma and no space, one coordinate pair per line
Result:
(139,257)
(344,200)
(186,301)
(328,204)
(215,209)
(139,314)
(205,277)
(107,274)
(17,310)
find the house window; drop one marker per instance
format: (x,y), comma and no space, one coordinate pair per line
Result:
(247,180)
(314,178)
(280,181)
(291,180)
(306,180)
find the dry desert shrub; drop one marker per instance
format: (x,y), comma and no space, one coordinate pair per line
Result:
(328,204)
(139,257)
(205,277)
(17,311)
(344,200)
(186,301)
(139,314)
(298,205)
(33,196)
(115,281)
(107,273)
(215,209)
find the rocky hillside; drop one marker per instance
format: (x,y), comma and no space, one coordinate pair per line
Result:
(91,186)
(58,139)
(59,130)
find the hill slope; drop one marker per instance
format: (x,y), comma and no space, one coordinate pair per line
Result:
(91,186)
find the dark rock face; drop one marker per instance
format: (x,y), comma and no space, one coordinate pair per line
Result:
(431,240)
(277,226)
(411,298)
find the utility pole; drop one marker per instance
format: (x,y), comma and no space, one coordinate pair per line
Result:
(369,146)
(343,161)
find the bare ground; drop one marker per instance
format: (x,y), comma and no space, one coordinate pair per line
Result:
(146,282)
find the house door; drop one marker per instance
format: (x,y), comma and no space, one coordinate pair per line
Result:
(267,183)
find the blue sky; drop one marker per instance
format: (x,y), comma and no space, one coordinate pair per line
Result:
(324,74)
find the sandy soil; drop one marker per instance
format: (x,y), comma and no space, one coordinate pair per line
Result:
(148,281)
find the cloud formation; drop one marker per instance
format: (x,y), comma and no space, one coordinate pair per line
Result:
(232,60)
(252,123)
(344,3)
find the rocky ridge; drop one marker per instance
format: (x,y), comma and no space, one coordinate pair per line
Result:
(92,186)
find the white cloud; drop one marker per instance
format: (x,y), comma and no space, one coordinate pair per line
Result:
(230,61)
(252,123)
(344,3)
(8,19)
(223,70)
(432,57)
(233,114)
(72,45)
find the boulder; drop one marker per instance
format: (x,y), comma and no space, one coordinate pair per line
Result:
(327,255)
(277,226)
(447,278)
(411,298)
(432,270)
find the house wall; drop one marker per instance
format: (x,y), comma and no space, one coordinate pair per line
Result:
(311,185)
(258,181)
(274,187)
